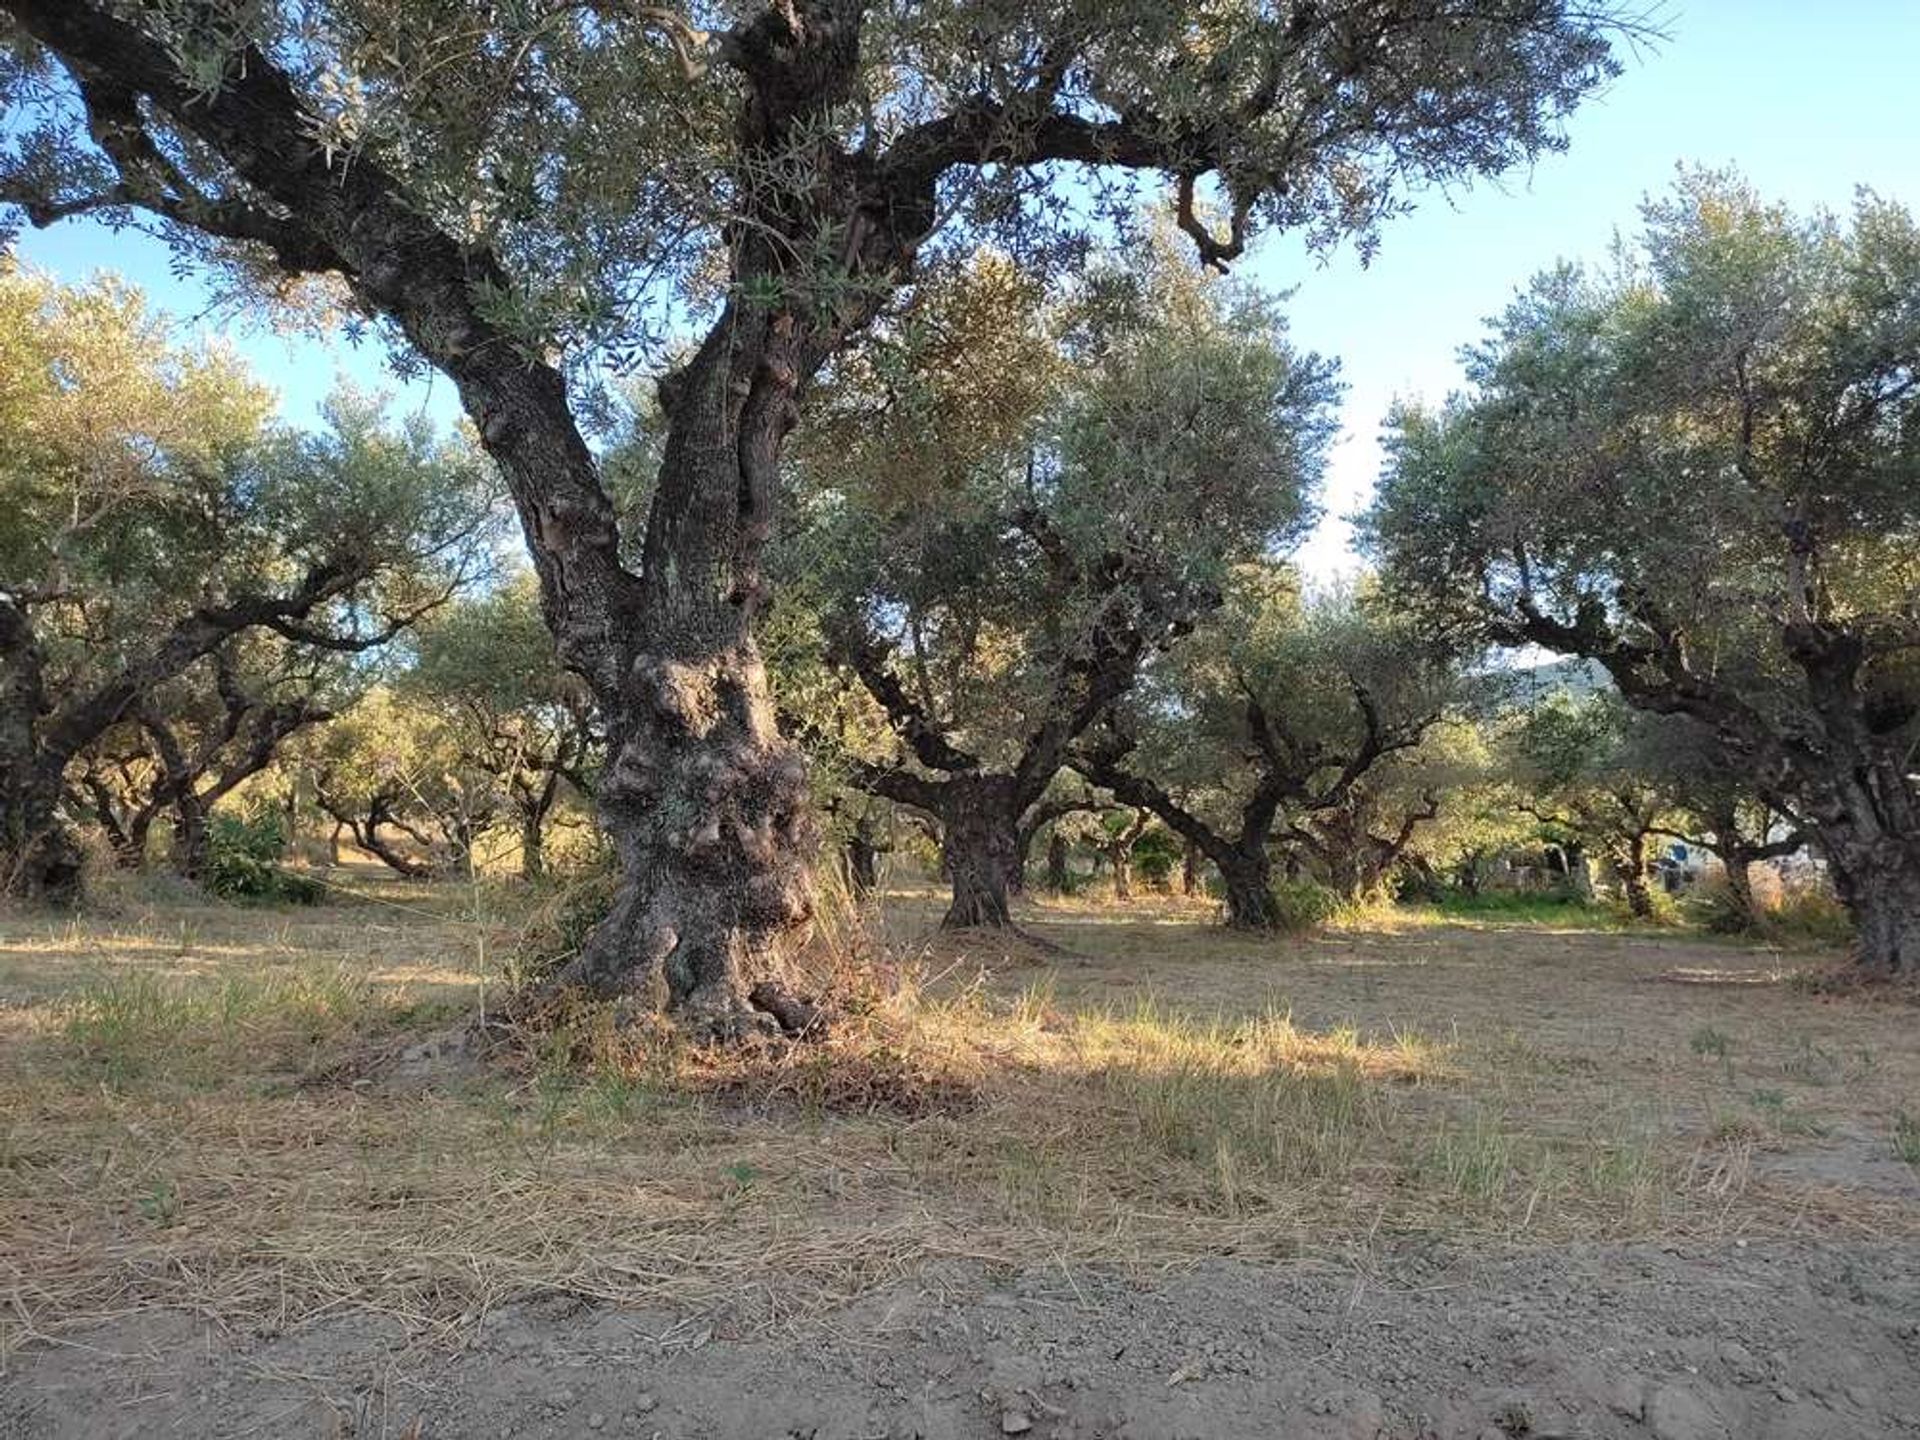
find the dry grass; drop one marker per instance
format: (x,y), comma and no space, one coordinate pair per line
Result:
(191,1118)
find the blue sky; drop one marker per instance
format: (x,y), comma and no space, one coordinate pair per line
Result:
(1809,101)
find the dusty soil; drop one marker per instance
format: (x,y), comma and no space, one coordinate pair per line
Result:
(1761,1341)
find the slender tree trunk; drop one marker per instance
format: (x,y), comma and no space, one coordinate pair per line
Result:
(863,864)
(981,835)
(190,842)
(1248,878)
(1059,880)
(1631,862)
(1190,870)
(533,845)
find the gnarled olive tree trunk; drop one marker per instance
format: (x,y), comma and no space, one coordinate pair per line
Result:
(40,859)
(1874,862)
(704,799)
(1246,874)
(980,840)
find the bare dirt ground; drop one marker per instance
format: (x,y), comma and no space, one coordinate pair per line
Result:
(1413,1180)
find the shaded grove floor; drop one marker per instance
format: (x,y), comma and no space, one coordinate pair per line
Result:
(1415,1179)
(1762,1341)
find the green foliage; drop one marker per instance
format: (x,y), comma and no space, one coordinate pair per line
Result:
(1699,466)
(600,152)
(1013,505)
(1301,906)
(243,860)
(1156,855)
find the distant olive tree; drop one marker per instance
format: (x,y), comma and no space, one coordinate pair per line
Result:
(1702,469)
(1271,716)
(485,667)
(154,516)
(996,558)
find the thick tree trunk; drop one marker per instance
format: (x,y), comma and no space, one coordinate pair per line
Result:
(705,800)
(1739,872)
(1059,880)
(1248,878)
(1880,886)
(706,805)
(981,837)
(40,857)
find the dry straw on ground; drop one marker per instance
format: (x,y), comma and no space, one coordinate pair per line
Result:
(198,1113)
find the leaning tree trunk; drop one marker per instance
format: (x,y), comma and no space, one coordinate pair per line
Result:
(981,835)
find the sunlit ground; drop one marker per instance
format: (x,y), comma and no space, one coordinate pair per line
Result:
(230,1109)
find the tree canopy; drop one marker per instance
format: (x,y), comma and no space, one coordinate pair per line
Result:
(1702,469)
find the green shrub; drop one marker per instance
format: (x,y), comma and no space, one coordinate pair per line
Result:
(1303,905)
(243,861)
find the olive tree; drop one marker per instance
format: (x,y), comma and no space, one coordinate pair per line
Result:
(995,606)
(1280,708)
(188,743)
(155,516)
(522,190)
(1701,468)
(1587,772)
(485,666)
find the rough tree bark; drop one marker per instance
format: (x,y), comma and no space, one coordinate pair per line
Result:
(1120,854)
(39,857)
(1630,861)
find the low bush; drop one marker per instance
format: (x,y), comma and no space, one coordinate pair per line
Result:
(243,861)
